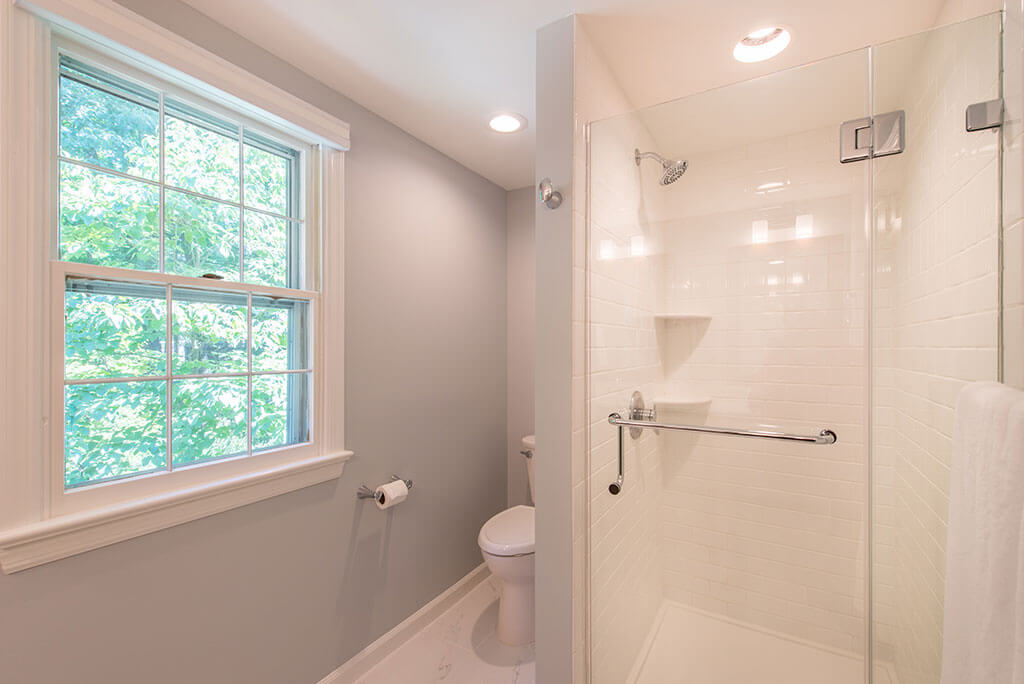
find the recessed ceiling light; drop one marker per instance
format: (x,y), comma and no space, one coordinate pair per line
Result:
(507,122)
(761,44)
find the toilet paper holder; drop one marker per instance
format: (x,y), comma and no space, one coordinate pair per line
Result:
(365,492)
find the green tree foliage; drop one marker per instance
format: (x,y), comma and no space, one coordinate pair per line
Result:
(120,330)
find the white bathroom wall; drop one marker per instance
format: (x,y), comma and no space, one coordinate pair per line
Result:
(936,225)
(953,11)
(519,298)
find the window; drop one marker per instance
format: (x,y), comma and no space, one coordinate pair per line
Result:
(173,267)
(180,244)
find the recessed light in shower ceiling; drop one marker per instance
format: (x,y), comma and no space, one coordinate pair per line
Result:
(507,122)
(761,44)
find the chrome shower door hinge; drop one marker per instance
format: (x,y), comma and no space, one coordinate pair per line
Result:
(877,136)
(982,115)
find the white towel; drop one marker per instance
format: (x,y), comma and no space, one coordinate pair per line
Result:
(983,641)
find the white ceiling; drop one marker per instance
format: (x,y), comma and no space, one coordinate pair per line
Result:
(439,69)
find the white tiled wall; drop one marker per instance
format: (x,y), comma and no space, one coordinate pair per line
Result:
(768,533)
(936,296)
(1013,195)
(623,568)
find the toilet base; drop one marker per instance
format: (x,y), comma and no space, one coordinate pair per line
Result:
(515,608)
(516,614)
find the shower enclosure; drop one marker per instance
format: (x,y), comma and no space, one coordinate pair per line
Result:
(829,263)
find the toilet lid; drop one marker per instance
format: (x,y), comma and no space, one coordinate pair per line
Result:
(509,533)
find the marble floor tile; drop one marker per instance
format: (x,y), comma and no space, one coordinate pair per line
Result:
(459,647)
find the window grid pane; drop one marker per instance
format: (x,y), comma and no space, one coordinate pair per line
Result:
(113,431)
(163,186)
(217,397)
(233,162)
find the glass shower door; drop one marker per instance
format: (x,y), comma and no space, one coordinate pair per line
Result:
(732,297)
(766,286)
(936,309)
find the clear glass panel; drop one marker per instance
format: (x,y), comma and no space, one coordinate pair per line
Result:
(743,295)
(114,430)
(201,153)
(936,322)
(1013,195)
(115,131)
(118,330)
(268,179)
(209,419)
(268,258)
(108,220)
(279,334)
(280,410)
(201,236)
(211,332)
(114,330)
(731,297)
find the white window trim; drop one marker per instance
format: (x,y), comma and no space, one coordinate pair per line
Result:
(32,530)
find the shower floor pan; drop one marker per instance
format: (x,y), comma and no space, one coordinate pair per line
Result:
(687,646)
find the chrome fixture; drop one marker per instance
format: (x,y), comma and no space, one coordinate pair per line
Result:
(616,487)
(825,436)
(365,492)
(527,453)
(640,418)
(672,170)
(547,194)
(872,136)
(982,115)
(637,412)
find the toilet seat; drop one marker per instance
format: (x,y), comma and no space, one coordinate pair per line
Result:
(509,533)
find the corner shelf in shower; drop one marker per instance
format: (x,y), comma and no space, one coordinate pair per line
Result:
(678,335)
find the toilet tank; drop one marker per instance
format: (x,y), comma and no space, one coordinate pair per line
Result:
(530,451)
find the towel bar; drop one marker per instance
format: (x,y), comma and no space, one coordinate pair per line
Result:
(825,436)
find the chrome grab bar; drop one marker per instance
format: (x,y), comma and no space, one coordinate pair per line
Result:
(825,436)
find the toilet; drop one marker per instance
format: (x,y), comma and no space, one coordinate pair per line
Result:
(506,542)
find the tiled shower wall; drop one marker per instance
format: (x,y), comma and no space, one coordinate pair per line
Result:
(767,533)
(936,295)
(1013,194)
(623,530)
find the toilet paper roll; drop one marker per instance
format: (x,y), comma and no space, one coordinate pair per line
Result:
(391,494)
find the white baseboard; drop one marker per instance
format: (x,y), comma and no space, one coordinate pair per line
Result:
(359,664)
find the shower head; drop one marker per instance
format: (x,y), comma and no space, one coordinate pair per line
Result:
(672,170)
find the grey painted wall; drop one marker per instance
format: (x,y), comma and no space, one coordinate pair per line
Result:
(285,590)
(520,301)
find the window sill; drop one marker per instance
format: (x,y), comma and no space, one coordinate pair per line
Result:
(49,540)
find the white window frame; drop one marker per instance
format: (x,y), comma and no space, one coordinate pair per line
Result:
(40,520)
